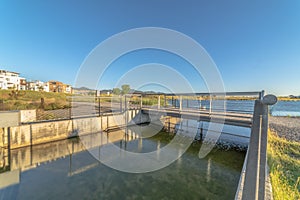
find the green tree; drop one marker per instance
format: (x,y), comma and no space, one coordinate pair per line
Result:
(116,91)
(125,89)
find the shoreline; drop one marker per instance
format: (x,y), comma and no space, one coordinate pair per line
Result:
(286,127)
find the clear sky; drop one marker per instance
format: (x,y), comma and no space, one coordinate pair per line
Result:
(255,44)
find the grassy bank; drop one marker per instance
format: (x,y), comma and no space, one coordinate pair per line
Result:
(19,100)
(284,163)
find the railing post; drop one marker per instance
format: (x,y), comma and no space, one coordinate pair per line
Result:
(158,102)
(180,103)
(121,100)
(141,103)
(173,101)
(187,102)
(200,102)
(125,103)
(210,104)
(70,108)
(99,105)
(263,152)
(261,94)
(255,176)
(250,190)
(165,102)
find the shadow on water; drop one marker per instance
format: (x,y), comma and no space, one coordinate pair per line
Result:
(65,170)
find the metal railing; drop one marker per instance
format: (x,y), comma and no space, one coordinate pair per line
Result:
(84,106)
(89,106)
(205,101)
(254,181)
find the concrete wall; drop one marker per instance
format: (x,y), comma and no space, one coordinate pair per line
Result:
(14,118)
(27,115)
(9,118)
(37,133)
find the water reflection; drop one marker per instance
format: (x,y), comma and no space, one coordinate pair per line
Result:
(208,170)
(65,169)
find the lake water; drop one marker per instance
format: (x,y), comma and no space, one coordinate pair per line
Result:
(281,108)
(64,170)
(286,108)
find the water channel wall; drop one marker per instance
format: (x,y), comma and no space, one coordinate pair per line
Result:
(42,132)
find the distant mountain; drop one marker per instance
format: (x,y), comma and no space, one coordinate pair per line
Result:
(82,88)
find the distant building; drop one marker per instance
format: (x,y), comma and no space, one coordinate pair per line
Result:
(68,89)
(23,84)
(57,86)
(37,86)
(11,80)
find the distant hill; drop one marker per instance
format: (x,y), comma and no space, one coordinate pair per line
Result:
(84,91)
(82,88)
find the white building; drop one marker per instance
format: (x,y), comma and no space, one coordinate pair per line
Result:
(38,86)
(68,89)
(11,80)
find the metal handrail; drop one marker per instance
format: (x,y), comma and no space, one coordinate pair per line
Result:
(254,93)
(256,162)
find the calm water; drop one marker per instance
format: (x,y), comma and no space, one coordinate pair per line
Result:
(286,108)
(64,170)
(281,108)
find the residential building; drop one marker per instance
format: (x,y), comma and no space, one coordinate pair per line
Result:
(11,80)
(56,86)
(38,86)
(68,89)
(23,84)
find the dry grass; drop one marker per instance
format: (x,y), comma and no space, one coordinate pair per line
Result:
(284,162)
(20,100)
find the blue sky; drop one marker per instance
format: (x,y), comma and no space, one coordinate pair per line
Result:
(255,44)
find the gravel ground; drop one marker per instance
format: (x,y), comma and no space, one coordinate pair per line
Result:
(286,127)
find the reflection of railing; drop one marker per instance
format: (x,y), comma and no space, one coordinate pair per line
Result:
(46,152)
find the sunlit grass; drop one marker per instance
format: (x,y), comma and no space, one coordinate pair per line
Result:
(284,163)
(20,100)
